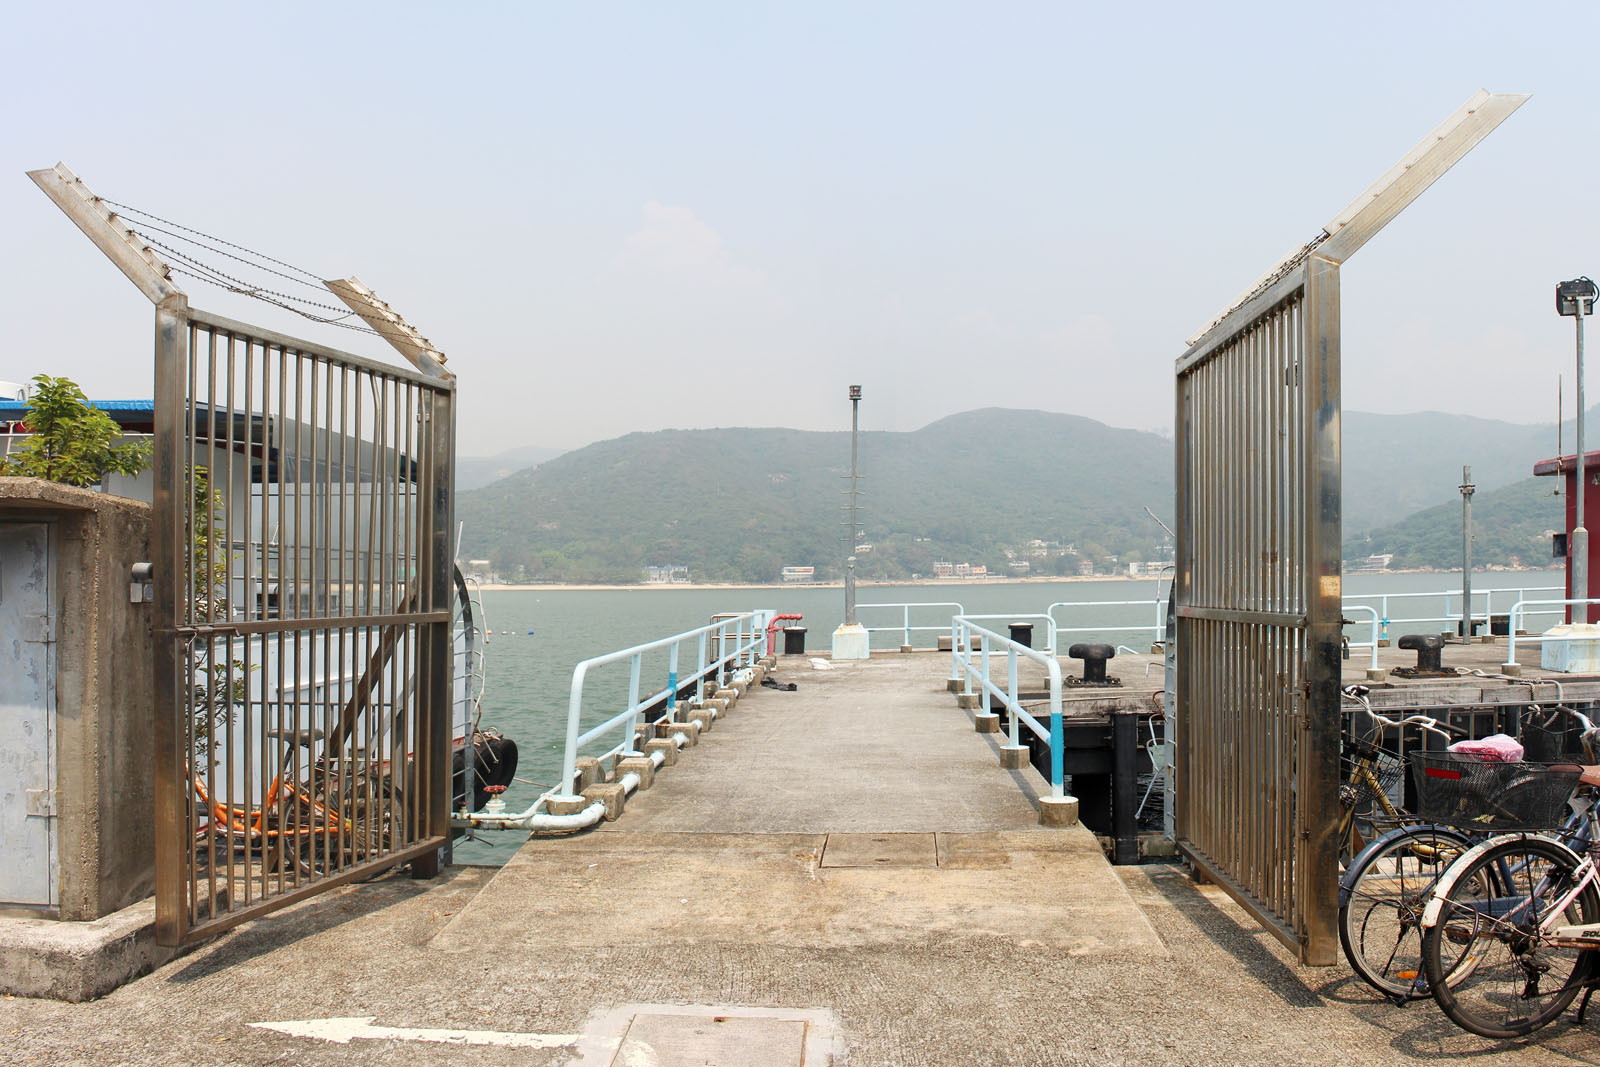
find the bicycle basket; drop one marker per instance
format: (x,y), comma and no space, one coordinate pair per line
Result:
(1463,791)
(1385,766)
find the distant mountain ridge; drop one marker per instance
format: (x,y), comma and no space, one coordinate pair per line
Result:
(740,504)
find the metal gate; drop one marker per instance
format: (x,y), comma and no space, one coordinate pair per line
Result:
(302,568)
(1258,567)
(302,504)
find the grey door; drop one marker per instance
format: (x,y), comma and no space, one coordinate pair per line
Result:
(28,874)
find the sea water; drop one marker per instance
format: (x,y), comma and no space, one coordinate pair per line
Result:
(538,635)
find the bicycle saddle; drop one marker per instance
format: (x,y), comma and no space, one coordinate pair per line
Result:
(304,737)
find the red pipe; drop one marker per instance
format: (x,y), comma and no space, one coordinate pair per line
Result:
(772,632)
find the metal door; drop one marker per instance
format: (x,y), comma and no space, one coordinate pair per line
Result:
(30,873)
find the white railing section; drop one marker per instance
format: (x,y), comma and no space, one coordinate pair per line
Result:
(728,643)
(905,627)
(1372,642)
(1157,625)
(963,630)
(1447,614)
(1519,612)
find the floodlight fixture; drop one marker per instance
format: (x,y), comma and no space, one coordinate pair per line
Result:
(1570,295)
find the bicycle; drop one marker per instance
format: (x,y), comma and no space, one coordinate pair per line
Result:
(1511,931)
(1383,890)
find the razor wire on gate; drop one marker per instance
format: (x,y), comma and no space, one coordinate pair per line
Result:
(1258,583)
(302,568)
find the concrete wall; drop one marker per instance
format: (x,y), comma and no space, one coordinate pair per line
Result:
(104,687)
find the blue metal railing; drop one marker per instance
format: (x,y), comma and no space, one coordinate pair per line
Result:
(963,629)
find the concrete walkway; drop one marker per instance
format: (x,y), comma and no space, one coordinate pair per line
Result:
(844,872)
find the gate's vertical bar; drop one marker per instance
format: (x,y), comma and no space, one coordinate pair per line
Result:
(440,448)
(1320,756)
(174,842)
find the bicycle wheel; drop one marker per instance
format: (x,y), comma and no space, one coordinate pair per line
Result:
(1491,914)
(1381,898)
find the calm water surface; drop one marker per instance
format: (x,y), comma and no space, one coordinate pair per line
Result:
(530,674)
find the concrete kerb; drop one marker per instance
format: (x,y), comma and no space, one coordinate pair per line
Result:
(78,961)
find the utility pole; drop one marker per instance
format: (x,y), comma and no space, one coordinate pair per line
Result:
(851,640)
(1467,489)
(1574,300)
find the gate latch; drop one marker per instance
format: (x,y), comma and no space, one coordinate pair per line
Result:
(143,587)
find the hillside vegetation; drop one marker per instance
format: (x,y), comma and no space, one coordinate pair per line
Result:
(982,487)
(740,504)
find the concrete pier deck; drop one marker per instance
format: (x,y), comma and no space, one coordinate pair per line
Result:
(844,873)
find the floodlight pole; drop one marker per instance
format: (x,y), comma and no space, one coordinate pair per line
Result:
(1576,298)
(850,560)
(1467,489)
(1580,533)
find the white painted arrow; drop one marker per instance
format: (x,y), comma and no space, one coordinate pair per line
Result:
(360,1028)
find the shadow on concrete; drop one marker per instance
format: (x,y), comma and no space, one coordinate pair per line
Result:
(315,916)
(1237,940)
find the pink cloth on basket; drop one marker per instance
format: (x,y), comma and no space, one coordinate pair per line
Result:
(1496,748)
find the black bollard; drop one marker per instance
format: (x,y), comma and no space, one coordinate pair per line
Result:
(1428,649)
(1094,660)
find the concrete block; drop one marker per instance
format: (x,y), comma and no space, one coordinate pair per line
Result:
(730,695)
(1376,675)
(690,730)
(947,643)
(1058,811)
(968,701)
(851,642)
(668,750)
(612,795)
(1013,757)
(1156,846)
(1514,670)
(589,771)
(568,805)
(986,722)
(953,685)
(703,718)
(768,662)
(907,648)
(78,961)
(721,705)
(643,766)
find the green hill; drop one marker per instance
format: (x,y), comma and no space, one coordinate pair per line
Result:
(740,504)
(1511,527)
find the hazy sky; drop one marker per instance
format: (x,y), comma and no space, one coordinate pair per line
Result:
(631,217)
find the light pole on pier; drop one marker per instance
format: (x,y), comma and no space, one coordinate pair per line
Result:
(851,640)
(1467,489)
(1574,300)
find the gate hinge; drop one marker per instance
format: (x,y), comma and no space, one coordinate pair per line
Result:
(40,802)
(42,631)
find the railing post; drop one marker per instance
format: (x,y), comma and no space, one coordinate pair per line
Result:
(672,682)
(1383,608)
(704,653)
(906,643)
(1057,741)
(955,673)
(1011,692)
(569,756)
(634,666)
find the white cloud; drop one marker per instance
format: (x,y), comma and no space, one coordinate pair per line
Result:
(673,240)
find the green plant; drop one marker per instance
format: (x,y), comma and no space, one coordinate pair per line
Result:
(70,440)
